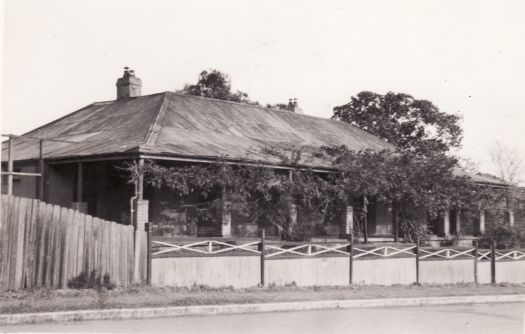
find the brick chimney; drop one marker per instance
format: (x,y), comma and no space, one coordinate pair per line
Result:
(128,86)
(293,106)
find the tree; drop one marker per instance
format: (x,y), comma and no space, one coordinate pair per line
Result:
(509,167)
(414,125)
(216,84)
(508,163)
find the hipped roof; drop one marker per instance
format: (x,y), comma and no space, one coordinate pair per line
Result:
(175,125)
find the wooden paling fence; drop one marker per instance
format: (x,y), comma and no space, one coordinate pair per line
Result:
(44,245)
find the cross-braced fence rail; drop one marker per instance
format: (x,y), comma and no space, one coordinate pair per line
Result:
(207,247)
(312,249)
(274,250)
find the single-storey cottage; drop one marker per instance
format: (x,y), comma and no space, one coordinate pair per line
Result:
(79,154)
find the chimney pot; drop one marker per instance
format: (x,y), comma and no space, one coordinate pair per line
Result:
(128,86)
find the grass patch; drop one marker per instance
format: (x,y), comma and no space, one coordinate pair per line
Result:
(47,300)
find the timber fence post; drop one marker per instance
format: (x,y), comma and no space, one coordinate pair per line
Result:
(351,258)
(141,244)
(417,261)
(263,235)
(493,262)
(148,277)
(476,249)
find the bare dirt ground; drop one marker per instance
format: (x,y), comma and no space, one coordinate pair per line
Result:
(46,300)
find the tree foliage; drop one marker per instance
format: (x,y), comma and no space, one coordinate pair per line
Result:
(411,182)
(264,195)
(413,125)
(216,84)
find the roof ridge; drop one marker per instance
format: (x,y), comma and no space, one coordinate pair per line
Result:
(238,103)
(96,103)
(275,110)
(128,99)
(153,131)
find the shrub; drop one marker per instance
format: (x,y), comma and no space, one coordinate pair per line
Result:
(91,281)
(505,236)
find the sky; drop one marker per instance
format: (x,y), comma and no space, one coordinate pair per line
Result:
(467,57)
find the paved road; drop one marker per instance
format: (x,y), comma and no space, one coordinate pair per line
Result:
(478,319)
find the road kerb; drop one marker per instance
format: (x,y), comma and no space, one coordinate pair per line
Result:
(176,311)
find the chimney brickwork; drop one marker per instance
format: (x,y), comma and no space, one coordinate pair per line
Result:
(129,86)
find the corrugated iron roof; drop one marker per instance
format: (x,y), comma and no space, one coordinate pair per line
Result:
(482,178)
(189,126)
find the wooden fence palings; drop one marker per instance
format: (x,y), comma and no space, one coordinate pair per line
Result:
(124,254)
(22,232)
(18,234)
(81,226)
(7,242)
(107,248)
(42,237)
(70,252)
(97,245)
(47,245)
(112,250)
(4,243)
(130,262)
(13,213)
(3,251)
(102,247)
(119,252)
(64,222)
(88,245)
(74,255)
(10,216)
(52,270)
(122,269)
(31,248)
(24,259)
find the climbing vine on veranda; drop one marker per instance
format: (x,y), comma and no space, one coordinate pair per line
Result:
(264,194)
